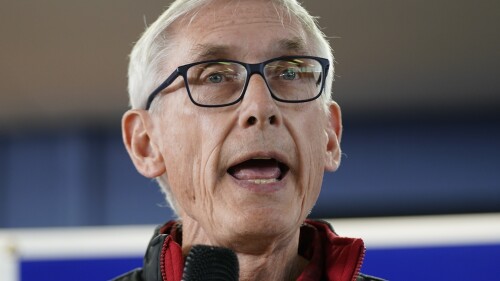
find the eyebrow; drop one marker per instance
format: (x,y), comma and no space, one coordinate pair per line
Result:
(289,46)
(210,51)
(294,45)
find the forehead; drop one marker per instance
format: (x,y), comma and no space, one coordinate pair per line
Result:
(252,30)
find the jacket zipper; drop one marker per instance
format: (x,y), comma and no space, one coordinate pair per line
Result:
(360,263)
(162,260)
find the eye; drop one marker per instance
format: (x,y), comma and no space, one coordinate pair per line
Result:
(288,74)
(215,78)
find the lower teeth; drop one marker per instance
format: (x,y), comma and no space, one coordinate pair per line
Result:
(263,181)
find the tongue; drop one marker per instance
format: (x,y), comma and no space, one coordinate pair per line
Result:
(256,169)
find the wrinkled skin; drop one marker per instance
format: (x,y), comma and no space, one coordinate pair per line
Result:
(194,146)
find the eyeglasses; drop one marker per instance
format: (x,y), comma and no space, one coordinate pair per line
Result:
(217,83)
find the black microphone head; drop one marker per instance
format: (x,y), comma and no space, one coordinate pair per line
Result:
(210,264)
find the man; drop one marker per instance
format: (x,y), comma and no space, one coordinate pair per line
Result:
(232,114)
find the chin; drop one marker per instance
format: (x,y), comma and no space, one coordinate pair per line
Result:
(262,222)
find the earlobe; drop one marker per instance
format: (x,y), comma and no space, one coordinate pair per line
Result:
(334,135)
(137,137)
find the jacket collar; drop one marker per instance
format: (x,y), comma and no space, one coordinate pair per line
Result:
(330,256)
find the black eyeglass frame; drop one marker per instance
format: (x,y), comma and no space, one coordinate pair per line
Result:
(252,68)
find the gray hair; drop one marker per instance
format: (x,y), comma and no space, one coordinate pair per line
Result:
(153,47)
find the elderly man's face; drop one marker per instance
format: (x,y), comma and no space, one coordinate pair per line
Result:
(254,167)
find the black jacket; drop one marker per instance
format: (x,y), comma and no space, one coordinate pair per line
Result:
(165,237)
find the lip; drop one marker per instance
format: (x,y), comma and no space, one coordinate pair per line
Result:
(262,187)
(263,154)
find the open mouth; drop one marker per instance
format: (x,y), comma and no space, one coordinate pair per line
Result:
(259,170)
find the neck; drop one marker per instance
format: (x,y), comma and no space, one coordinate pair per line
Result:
(278,265)
(265,258)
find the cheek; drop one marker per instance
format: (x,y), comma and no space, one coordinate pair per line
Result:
(191,153)
(180,161)
(311,140)
(180,145)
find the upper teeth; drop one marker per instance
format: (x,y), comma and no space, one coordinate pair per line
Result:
(262,158)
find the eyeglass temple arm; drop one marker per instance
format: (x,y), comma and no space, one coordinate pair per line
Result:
(162,86)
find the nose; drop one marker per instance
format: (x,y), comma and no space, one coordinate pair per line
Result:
(258,108)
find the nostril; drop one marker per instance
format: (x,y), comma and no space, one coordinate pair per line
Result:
(251,120)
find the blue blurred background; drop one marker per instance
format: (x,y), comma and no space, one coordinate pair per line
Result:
(418,83)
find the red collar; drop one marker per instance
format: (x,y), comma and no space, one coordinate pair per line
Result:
(331,257)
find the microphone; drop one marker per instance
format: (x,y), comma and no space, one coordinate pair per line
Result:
(210,263)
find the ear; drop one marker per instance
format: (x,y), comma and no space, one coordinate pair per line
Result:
(334,134)
(137,136)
